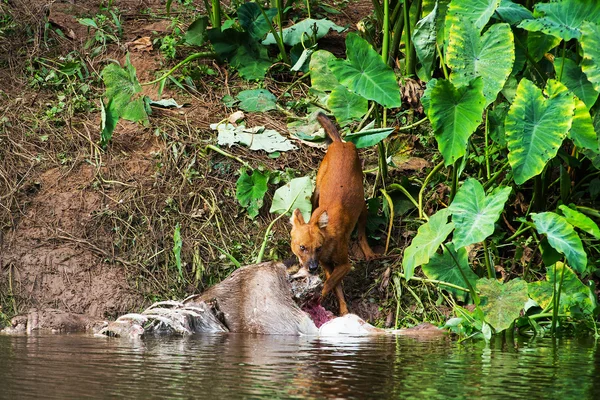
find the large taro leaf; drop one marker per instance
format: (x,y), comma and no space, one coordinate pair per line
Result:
(294,194)
(563,18)
(580,220)
(562,237)
(121,83)
(490,56)
(252,20)
(347,106)
(454,113)
(257,100)
(368,137)
(321,77)
(425,244)
(424,38)
(250,191)
(575,80)
(442,267)
(304,30)
(474,214)
(590,43)
(512,13)
(536,126)
(196,32)
(574,295)
(365,73)
(501,303)
(538,44)
(477,12)
(582,129)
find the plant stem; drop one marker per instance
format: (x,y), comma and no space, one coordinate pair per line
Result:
(485,149)
(471,288)
(427,179)
(416,278)
(556,298)
(276,35)
(490,271)
(215,14)
(396,186)
(206,54)
(229,155)
(414,124)
(454,187)
(495,176)
(442,62)
(266,238)
(385,46)
(391,223)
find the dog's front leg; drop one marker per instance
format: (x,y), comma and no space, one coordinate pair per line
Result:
(334,282)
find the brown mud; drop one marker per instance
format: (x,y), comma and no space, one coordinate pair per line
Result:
(90,232)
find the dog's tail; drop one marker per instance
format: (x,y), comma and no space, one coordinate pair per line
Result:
(329,127)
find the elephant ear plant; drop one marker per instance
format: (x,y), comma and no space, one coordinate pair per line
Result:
(517,123)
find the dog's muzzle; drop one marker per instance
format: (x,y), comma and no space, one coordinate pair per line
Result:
(313,266)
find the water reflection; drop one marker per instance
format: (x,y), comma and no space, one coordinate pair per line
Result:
(245,366)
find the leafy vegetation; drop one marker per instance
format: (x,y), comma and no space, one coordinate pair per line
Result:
(501,99)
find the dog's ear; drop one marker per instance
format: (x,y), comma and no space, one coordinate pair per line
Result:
(297,219)
(323,220)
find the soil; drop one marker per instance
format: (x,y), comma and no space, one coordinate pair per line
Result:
(87,231)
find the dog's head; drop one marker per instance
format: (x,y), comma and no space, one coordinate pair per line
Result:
(308,238)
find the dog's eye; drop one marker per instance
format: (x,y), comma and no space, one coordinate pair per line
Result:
(302,248)
(318,249)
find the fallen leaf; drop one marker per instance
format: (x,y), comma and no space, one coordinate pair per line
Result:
(141,44)
(257,138)
(235,117)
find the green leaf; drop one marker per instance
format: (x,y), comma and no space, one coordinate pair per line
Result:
(501,303)
(474,214)
(321,77)
(88,22)
(368,137)
(536,126)
(580,220)
(454,113)
(296,193)
(496,118)
(253,21)
(365,73)
(490,56)
(425,244)
(108,122)
(575,80)
(196,32)
(582,129)
(442,267)
(347,106)
(177,244)
(424,39)
(257,100)
(573,292)
(477,12)
(304,31)
(512,13)
(250,190)
(539,43)
(562,19)
(135,111)
(590,43)
(121,83)
(562,237)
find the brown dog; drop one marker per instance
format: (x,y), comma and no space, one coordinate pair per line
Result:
(338,204)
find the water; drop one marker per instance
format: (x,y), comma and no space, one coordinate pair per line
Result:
(242,366)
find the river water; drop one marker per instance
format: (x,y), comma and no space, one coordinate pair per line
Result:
(230,366)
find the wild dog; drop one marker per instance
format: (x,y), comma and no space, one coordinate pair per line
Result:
(338,206)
